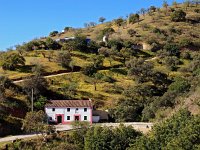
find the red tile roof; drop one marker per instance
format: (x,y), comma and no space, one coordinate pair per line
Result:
(69,103)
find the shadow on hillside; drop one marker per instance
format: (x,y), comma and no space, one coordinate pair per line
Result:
(10,127)
(49,94)
(99,100)
(140,21)
(25,69)
(119,71)
(16,88)
(14,107)
(110,67)
(140,53)
(85,95)
(80,56)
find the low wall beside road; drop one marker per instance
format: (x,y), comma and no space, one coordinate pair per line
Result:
(141,126)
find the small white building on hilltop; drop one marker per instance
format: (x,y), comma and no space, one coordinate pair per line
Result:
(67,111)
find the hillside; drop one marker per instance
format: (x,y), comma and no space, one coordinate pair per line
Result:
(147,70)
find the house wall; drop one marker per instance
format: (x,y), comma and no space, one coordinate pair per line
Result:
(72,114)
(146,46)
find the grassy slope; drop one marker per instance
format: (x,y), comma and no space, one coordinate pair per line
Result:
(102,95)
(157,19)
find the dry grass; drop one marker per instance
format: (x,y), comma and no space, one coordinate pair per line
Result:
(157,19)
(86,87)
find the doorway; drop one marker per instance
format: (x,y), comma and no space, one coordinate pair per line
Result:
(59,119)
(77,118)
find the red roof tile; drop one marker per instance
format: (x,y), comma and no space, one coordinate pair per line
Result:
(69,103)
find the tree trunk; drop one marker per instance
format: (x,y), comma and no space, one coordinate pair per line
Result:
(95,86)
(124,61)
(110,62)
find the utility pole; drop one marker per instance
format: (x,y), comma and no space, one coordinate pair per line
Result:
(32,100)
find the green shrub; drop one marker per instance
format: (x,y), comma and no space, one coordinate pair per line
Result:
(93,47)
(108,79)
(133,18)
(167,100)
(103,51)
(127,44)
(174,30)
(178,15)
(127,110)
(106,31)
(67,28)
(155,47)
(171,62)
(131,32)
(81,43)
(197,10)
(89,70)
(119,71)
(115,44)
(181,131)
(102,44)
(156,30)
(115,89)
(51,44)
(148,113)
(108,138)
(53,33)
(185,42)
(180,85)
(195,63)
(64,58)
(186,55)
(152,8)
(119,21)
(12,61)
(172,49)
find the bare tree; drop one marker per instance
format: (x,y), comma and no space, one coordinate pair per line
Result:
(174,3)
(143,11)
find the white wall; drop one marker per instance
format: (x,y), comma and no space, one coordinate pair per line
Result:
(72,112)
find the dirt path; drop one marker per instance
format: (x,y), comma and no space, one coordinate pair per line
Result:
(60,74)
(49,76)
(12,138)
(151,59)
(141,126)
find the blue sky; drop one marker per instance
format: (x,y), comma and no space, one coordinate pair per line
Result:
(24,20)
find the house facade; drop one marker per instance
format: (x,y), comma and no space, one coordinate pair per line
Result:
(67,111)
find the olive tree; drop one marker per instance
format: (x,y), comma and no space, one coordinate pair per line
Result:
(119,21)
(12,61)
(178,15)
(37,122)
(133,18)
(64,58)
(102,19)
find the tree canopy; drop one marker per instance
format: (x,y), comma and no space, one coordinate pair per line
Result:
(102,19)
(12,61)
(181,131)
(178,15)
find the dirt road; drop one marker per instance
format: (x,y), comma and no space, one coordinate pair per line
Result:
(141,126)
(49,76)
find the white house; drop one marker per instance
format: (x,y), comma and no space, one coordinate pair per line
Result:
(105,38)
(66,111)
(69,38)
